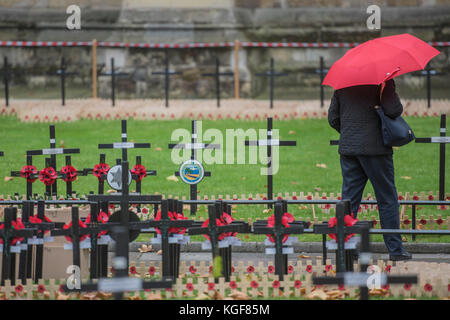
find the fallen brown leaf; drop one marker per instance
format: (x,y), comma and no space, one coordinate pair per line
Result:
(302,256)
(134,298)
(217,295)
(60,296)
(172,178)
(158,149)
(317,294)
(238,295)
(104,295)
(321,165)
(159,252)
(89,296)
(144,248)
(406,177)
(294,182)
(111,191)
(203,296)
(154,296)
(291,132)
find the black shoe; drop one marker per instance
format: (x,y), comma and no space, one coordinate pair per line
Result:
(400,257)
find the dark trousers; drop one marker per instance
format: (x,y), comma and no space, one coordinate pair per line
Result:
(356,170)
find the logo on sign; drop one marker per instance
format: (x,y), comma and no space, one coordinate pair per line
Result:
(114,177)
(191,172)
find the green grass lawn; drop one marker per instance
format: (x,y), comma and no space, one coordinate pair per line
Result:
(298,171)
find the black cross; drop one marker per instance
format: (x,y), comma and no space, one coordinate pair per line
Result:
(6,79)
(442,140)
(52,151)
(61,72)
(1,154)
(271,74)
(113,74)
(120,283)
(194,146)
(215,212)
(170,251)
(136,177)
(69,191)
(279,230)
(167,73)
(33,176)
(322,72)
(362,279)
(217,75)
(26,256)
(269,143)
(428,72)
(101,181)
(9,258)
(344,258)
(75,232)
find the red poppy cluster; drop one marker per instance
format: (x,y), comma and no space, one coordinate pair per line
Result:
(173,216)
(69,173)
(48,176)
(29,172)
(69,225)
(100,169)
(36,220)
(17,225)
(224,220)
(139,171)
(349,222)
(285,220)
(102,217)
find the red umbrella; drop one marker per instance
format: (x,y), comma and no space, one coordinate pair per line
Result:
(378,60)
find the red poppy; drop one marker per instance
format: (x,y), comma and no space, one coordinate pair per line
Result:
(388,268)
(144,211)
(139,171)
(29,172)
(254,284)
(276,284)
(309,268)
(69,173)
(102,217)
(406,221)
(232,269)
(190,286)
(439,221)
(48,176)
(428,287)
(112,270)
(250,269)
(407,286)
(386,286)
(423,221)
(349,222)
(133,270)
(69,225)
(151,270)
(328,267)
(271,269)
(61,288)
(18,288)
(285,220)
(297,284)
(210,269)
(192,269)
(41,288)
(290,269)
(100,169)
(172,216)
(233,284)
(341,287)
(211,285)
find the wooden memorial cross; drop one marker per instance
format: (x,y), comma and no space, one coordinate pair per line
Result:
(52,151)
(7,233)
(102,176)
(214,231)
(138,177)
(270,143)
(61,72)
(442,140)
(169,244)
(30,177)
(344,257)
(279,231)
(194,146)
(113,74)
(167,73)
(121,282)
(217,76)
(271,74)
(75,232)
(322,72)
(26,256)
(363,279)
(6,80)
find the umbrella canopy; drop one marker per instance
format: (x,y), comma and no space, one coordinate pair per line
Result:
(378,60)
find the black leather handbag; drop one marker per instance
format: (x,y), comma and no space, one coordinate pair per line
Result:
(396,132)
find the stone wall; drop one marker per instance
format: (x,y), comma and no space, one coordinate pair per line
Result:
(208,21)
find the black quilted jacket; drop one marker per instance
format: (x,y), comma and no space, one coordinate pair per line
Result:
(353,115)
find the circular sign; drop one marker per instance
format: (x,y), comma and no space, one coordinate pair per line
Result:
(114,177)
(191,172)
